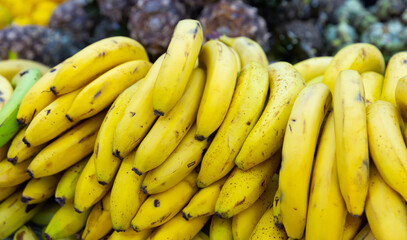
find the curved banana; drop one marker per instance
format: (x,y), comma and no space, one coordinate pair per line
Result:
(401,96)
(130,234)
(5,192)
(299,146)
(177,166)
(9,68)
(248,50)
(169,130)
(352,155)
(372,84)
(326,206)
(43,217)
(395,70)
(98,223)
(365,234)
(244,111)
(200,236)
(65,190)
(25,233)
(4,150)
(352,226)
(220,228)
(177,66)
(40,189)
(221,67)
(19,152)
(315,80)
(12,175)
(238,63)
(6,90)
(313,67)
(266,138)
(137,118)
(102,91)
(95,59)
(159,208)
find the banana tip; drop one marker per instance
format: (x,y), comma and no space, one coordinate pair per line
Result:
(119,230)
(26,142)
(48,237)
(30,173)
(69,118)
(25,199)
(185,216)
(137,171)
(116,153)
(144,189)
(77,210)
(21,122)
(12,160)
(199,137)
(60,200)
(135,228)
(53,90)
(158,113)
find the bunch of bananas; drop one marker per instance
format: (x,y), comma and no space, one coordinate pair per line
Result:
(207,142)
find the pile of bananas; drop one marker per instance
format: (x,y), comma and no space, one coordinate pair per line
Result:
(207,140)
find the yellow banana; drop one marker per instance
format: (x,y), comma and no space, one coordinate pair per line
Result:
(98,223)
(237,58)
(102,91)
(138,117)
(127,196)
(248,50)
(65,190)
(88,191)
(352,226)
(169,130)
(220,228)
(401,96)
(326,206)
(352,155)
(313,67)
(5,192)
(130,234)
(361,57)
(19,152)
(386,210)
(221,67)
(4,150)
(365,234)
(38,97)
(266,138)
(300,141)
(179,228)
(43,217)
(9,68)
(177,66)
(243,188)
(25,233)
(13,175)
(67,150)
(159,208)
(95,59)
(395,70)
(40,189)
(245,109)
(200,236)
(315,80)
(177,166)
(65,222)
(5,91)
(372,84)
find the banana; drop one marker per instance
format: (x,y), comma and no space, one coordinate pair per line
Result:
(65,222)
(25,233)
(19,152)
(179,228)
(244,222)
(130,234)
(394,71)
(177,166)
(5,192)
(67,150)
(204,201)
(352,155)
(300,141)
(220,228)
(352,226)
(237,58)
(9,68)
(4,150)
(127,196)
(221,67)
(12,175)
(326,206)
(266,138)
(386,210)
(43,217)
(65,190)
(137,118)
(248,50)
(244,111)
(169,130)
(40,189)
(372,84)
(401,96)
(361,57)
(177,66)
(159,208)
(95,59)
(315,80)
(200,236)
(243,188)
(102,91)
(365,234)
(6,90)
(8,114)
(98,223)
(312,67)
(88,191)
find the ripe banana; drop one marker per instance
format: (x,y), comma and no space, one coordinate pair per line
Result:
(137,118)
(88,191)
(365,234)
(401,96)
(40,189)
(9,68)
(245,109)
(315,80)
(6,90)
(396,69)
(326,206)
(130,234)
(4,150)
(386,210)
(200,236)
(43,217)
(177,166)
(313,67)
(177,66)
(352,155)
(13,175)
(352,226)
(300,141)
(25,233)
(266,138)
(221,67)
(237,58)
(159,208)
(19,152)
(8,114)
(127,196)
(169,130)
(67,150)
(372,84)
(220,228)
(95,59)
(361,57)
(65,190)
(102,91)
(248,50)
(98,223)
(5,192)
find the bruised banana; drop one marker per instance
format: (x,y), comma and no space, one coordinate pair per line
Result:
(12,175)
(6,90)
(401,96)
(9,68)
(98,223)
(25,233)
(40,189)
(396,69)
(5,192)
(372,84)
(220,228)
(313,67)
(19,152)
